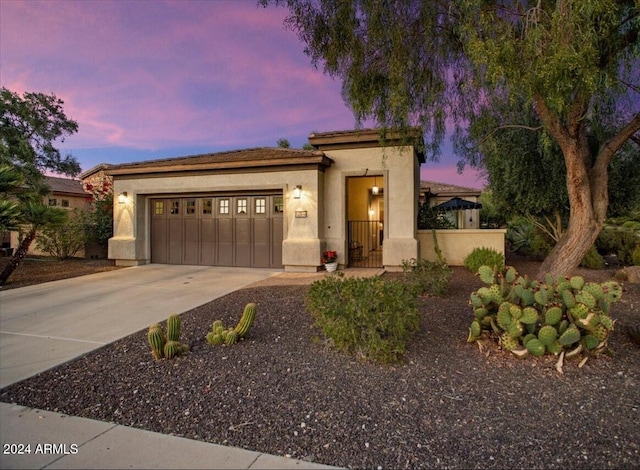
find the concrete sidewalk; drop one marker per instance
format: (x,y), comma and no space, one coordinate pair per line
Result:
(45,325)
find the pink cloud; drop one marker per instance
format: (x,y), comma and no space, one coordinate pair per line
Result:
(449,174)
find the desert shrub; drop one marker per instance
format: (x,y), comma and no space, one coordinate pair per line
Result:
(618,242)
(592,259)
(524,238)
(368,317)
(635,256)
(66,240)
(428,277)
(483,256)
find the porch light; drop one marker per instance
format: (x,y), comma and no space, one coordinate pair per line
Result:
(297,192)
(122,197)
(375,189)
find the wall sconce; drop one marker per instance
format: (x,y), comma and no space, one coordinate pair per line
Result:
(297,192)
(122,197)
(375,189)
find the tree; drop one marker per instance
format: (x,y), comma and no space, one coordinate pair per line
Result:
(283,143)
(414,62)
(35,216)
(29,127)
(10,181)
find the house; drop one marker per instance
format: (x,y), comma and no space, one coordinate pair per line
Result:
(273,207)
(435,193)
(65,193)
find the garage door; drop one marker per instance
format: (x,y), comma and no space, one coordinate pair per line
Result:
(225,230)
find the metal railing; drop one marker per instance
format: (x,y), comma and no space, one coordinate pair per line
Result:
(365,243)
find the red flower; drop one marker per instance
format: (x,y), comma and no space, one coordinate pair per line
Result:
(329,256)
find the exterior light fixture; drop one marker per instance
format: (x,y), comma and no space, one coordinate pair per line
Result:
(122,197)
(297,192)
(375,189)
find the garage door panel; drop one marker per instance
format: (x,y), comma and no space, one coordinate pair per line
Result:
(207,242)
(261,243)
(159,241)
(176,241)
(191,241)
(225,242)
(242,242)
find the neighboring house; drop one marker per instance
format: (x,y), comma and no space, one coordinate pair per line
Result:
(66,194)
(437,193)
(273,207)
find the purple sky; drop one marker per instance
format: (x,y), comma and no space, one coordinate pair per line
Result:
(154,79)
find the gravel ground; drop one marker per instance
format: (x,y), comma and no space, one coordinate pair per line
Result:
(284,392)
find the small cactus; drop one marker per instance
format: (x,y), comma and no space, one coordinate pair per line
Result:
(173,327)
(246,322)
(157,341)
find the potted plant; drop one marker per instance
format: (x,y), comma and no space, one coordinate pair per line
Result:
(330,260)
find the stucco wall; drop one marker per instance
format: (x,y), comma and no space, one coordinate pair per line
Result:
(457,244)
(395,169)
(131,241)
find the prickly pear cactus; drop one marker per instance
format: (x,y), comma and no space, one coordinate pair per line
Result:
(561,315)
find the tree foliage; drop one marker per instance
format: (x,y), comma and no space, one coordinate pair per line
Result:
(30,127)
(421,62)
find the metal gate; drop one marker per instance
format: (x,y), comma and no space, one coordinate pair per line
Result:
(365,243)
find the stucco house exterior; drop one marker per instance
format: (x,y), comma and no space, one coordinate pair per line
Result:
(273,207)
(67,194)
(434,193)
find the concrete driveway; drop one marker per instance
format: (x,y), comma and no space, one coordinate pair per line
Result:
(45,325)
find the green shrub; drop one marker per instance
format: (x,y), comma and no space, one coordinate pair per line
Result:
(635,255)
(66,240)
(592,259)
(618,242)
(483,256)
(365,316)
(428,277)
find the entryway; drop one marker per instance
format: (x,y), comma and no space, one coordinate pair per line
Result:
(365,225)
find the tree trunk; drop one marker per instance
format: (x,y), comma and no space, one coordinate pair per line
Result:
(584,223)
(17,258)
(587,184)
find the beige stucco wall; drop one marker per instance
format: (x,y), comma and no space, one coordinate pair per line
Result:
(397,171)
(323,198)
(131,241)
(457,244)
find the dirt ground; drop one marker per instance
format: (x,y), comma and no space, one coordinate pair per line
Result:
(284,391)
(39,269)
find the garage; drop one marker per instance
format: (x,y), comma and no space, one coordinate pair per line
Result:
(223,229)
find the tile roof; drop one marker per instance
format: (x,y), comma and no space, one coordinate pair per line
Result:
(443,189)
(65,185)
(255,157)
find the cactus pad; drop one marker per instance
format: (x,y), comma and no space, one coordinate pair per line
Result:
(553,316)
(569,337)
(586,298)
(577,282)
(508,342)
(486,274)
(529,316)
(547,335)
(535,347)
